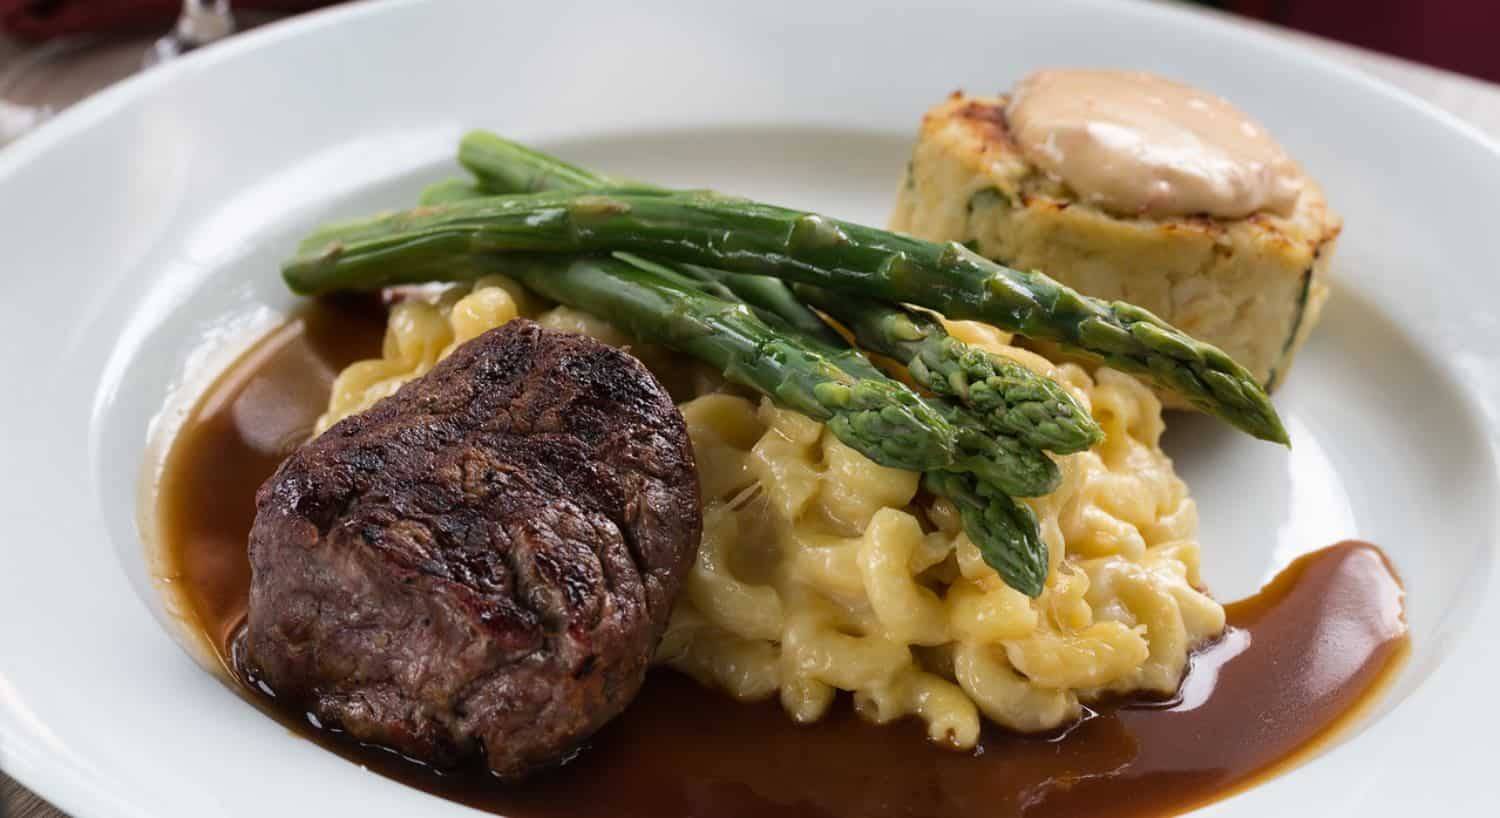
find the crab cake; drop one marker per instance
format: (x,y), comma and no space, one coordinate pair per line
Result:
(1250,278)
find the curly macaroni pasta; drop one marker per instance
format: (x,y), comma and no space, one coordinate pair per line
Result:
(821,571)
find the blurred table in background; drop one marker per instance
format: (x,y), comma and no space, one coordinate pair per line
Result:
(1458,35)
(1472,100)
(1475,101)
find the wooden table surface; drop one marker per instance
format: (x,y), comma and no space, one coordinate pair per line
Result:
(1472,100)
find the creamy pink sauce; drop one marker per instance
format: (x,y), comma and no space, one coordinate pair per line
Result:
(1136,143)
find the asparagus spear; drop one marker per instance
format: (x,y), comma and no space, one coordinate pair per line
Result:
(773,296)
(1011,398)
(880,418)
(716,231)
(1013,466)
(1008,541)
(450,190)
(1008,463)
(502,165)
(997,466)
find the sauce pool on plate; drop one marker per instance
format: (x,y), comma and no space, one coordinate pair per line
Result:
(1298,661)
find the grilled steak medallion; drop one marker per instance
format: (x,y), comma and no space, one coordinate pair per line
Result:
(482,563)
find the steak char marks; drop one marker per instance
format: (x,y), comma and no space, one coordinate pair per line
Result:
(482,563)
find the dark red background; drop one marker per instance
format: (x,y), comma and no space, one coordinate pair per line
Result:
(1460,35)
(36,20)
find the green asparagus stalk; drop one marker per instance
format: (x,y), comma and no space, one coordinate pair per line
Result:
(1014,399)
(502,165)
(997,466)
(450,190)
(1011,398)
(1009,539)
(1010,464)
(716,231)
(880,418)
(1008,395)
(774,297)
(1013,465)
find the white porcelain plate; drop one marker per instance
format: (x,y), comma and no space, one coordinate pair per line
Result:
(140,235)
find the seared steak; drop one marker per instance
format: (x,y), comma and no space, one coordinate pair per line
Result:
(482,563)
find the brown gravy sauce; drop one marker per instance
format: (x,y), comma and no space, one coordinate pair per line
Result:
(1299,660)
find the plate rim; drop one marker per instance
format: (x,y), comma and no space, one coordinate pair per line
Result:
(69,794)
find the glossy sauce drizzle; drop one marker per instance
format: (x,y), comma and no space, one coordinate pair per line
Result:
(1298,659)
